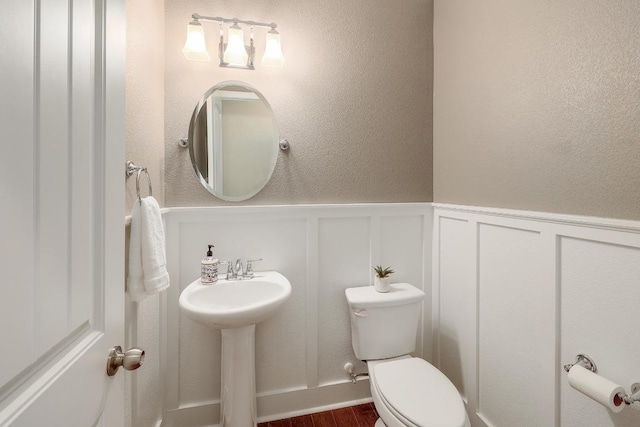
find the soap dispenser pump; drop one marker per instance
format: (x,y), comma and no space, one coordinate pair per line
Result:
(209,268)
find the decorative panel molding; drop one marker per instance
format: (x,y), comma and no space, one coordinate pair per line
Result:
(600,292)
(454,303)
(300,353)
(344,259)
(508,306)
(517,295)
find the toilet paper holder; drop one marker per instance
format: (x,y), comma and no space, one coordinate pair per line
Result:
(588,363)
(584,361)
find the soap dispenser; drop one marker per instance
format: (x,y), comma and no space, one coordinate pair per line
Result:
(209,268)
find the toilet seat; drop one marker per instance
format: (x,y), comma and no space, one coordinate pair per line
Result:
(419,394)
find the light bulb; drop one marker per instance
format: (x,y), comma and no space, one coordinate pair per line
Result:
(235,53)
(195,48)
(273,50)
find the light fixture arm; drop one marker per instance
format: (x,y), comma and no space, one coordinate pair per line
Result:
(199,17)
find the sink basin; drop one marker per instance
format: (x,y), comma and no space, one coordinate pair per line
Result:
(235,303)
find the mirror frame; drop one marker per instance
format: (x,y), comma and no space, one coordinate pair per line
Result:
(220,86)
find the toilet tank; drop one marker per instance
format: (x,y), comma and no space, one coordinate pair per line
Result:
(384,325)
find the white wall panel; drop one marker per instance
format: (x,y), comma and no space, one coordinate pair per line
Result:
(199,367)
(280,341)
(301,351)
(456,305)
(600,292)
(343,262)
(546,287)
(508,331)
(402,245)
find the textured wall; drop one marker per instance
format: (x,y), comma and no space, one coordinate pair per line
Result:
(536,105)
(145,95)
(353,98)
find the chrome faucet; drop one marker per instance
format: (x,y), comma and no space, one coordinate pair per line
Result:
(236,272)
(238,269)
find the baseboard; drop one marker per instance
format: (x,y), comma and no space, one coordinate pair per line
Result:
(276,406)
(307,401)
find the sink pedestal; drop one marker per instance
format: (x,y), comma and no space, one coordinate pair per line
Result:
(235,307)
(238,392)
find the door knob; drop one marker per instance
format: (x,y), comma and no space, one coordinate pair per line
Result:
(130,360)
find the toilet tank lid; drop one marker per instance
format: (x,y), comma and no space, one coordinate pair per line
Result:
(367,296)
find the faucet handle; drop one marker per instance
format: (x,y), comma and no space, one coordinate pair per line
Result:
(249,272)
(230,273)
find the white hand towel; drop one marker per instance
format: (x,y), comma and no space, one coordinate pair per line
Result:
(147,263)
(135,279)
(154,264)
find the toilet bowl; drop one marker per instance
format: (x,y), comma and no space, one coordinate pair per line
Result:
(407,391)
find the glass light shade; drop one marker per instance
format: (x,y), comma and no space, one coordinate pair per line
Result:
(195,48)
(235,53)
(273,50)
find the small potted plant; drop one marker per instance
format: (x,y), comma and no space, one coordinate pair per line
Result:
(381,280)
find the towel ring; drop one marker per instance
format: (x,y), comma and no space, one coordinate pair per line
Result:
(131,169)
(138,182)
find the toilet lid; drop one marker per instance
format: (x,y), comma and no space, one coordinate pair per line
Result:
(420,392)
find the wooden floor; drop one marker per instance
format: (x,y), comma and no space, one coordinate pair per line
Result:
(354,416)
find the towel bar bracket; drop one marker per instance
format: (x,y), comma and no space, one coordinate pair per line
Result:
(131,169)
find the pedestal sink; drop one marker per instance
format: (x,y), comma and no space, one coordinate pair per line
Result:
(235,307)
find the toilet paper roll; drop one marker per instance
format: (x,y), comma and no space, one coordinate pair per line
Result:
(598,388)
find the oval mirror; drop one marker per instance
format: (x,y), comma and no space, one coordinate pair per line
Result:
(233,141)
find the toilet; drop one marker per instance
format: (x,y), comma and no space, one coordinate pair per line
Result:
(407,391)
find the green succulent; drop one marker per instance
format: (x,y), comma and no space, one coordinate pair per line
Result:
(383,272)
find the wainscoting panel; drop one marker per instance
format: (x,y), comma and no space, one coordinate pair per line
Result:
(600,293)
(519,294)
(300,353)
(281,245)
(344,255)
(454,303)
(509,303)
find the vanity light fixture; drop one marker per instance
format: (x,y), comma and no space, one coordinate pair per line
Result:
(234,53)
(273,50)
(195,47)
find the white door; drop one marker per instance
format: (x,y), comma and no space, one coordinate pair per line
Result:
(61,211)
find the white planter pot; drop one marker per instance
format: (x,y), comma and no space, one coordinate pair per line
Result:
(381,284)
